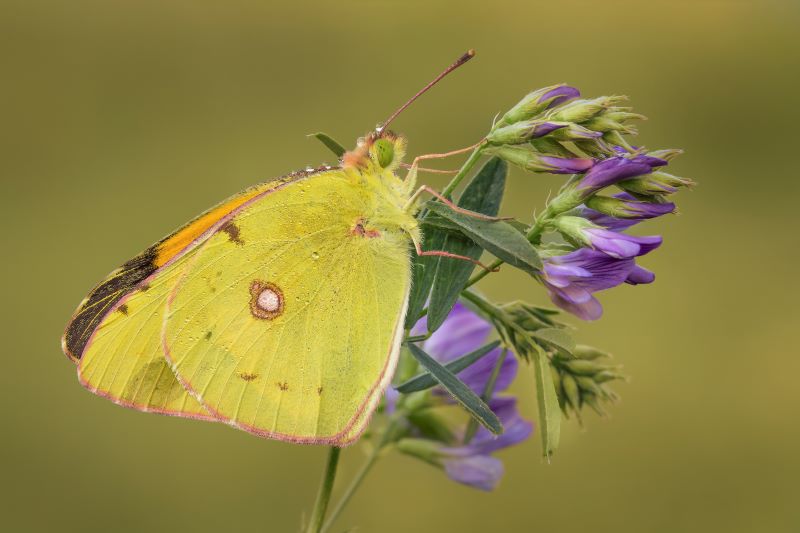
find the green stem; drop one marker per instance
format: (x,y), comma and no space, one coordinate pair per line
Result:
(465,168)
(324,494)
(386,438)
(351,490)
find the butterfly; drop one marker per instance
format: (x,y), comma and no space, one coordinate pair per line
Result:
(279,311)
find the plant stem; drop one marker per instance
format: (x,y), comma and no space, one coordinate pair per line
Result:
(324,494)
(351,490)
(385,439)
(465,168)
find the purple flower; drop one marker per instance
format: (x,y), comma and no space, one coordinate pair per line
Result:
(640,276)
(615,169)
(583,232)
(526,157)
(634,211)
(462,332)
(560,95)
(566,165)
(572,279)
(543,128)
(620,245)
(538,101)
(471,463)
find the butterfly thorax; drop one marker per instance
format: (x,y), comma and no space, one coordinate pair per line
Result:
(372,165)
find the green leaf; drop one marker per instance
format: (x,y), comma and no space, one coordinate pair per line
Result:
(483,195)
(462,394)
(555,337)
(547,400)
(422,275)
(332,145)
(438,223)
(496,237)
(425,380)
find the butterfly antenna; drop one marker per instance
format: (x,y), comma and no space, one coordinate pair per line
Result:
(460,61)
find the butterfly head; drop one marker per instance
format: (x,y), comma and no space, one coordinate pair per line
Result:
(381,150)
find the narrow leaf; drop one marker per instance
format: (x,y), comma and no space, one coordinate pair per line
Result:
(556,337)
(483,195)
(422,275)
(462,394)
(425,380)
(498,237)
(547,400)
(328,141)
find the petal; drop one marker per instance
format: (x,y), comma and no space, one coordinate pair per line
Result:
(591,310)
(611,171)
(462,332)
(478,471)
(607,242)
(563,165)
(477,375)
(554,269)
(560,95)
(640,275)
(516,428)
(575,293)
(390,398)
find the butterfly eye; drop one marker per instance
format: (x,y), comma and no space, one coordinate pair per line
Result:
(384,152)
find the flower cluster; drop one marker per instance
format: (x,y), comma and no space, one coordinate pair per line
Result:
(583,379)
(553,131)
(465,456)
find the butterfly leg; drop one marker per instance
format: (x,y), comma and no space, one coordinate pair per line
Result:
(441,253)
(451,205)
(431,170)
(411,177)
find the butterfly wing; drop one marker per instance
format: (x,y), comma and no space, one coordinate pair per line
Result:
(115,335)
(294,331)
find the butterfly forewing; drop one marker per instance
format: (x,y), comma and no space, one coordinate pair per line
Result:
(286,322)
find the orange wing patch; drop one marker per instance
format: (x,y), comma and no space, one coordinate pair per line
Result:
(172,245)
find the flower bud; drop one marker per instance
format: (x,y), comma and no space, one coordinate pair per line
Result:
(619,114)
(621,206)
(654,184)
(538,101)
(427,450)
(574,132)
(527,158)
(521,132)
(667,154)
(548,145)
(584,367)
(571,392)
(615,138)
(596,148)
(604,124)
(615,169)
(587,384)
(583,110)
(589,353)
(573,229)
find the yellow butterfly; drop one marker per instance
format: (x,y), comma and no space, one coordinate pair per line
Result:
(279,311)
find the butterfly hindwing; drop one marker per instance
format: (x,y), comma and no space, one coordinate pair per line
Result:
(292,329)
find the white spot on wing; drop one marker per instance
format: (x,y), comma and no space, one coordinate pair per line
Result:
(269,300)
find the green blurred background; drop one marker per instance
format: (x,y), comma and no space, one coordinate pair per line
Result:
(121,120)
